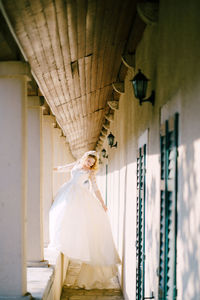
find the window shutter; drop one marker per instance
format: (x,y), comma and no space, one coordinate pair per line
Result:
(168,208)
(140,223)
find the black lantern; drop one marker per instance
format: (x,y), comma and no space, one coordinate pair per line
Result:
(103,151)
(111,138)
(140,82)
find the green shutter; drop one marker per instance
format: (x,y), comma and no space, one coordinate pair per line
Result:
(140,223)
(168,209)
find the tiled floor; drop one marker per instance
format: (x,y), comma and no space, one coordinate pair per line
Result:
(82,294)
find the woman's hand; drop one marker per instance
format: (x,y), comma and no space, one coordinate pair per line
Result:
(55,169)
(105,207)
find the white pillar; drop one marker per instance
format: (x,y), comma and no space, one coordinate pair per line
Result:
(13,91)
(35,243)
(66,157)
(62,156)
(57,159)
(47,190)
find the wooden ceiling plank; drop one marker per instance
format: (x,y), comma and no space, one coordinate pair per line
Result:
(96,42)
(109,47)
(22,29)
(76,79)
(84,101)
(90,25)
(81,27)
(97,99)
(63,26)
(68,113)
(44,39)
(56,91)
(104,51)
(61,12)
(49,12)
(104,99)
(107,24)
(52,23)
(88,112)
(92,101)
(27,38)
(71,6)
(81,63)
(88,73)
(72,28)
(121,34)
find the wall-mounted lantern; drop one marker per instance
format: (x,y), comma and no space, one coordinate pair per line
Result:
(111,138)
(103,152)
(140,82)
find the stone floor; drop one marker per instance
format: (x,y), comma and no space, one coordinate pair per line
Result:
(82,294)
(69,291)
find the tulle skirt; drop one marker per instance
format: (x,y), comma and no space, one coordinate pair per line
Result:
(80,228)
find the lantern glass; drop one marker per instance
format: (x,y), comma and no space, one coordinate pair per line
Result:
(140,85)
(110,139)
(103,152)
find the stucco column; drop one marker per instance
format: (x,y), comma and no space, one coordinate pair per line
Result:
(66,158)
(57,159)
(35,243)
(13,94)
(47,165)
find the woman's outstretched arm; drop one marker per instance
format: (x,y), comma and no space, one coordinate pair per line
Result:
(65,168)
(96,190)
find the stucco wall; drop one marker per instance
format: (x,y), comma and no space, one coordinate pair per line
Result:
(168,55)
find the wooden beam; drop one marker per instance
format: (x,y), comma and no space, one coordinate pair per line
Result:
(113,104)
(110,116)
(118,87)
(129,60)
(148,12)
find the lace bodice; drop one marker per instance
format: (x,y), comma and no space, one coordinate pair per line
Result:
(78,175)
(81,176)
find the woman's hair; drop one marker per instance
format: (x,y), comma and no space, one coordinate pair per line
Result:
(95,166)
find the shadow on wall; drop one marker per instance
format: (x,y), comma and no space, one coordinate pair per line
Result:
(188,238)
(188,222)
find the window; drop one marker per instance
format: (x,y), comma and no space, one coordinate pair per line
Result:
(168,208)
(140,222)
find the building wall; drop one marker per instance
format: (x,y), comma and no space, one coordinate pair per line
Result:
(168,55)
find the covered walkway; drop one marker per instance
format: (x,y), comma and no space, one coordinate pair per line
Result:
(121,78)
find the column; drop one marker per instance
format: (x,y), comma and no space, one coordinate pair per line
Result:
(35,243)
(13,94)
(66,157)
(57,159)
(47,165)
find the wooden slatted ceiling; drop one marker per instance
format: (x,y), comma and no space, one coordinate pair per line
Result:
(74,47)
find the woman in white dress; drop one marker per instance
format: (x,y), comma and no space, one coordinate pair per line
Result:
(79,225)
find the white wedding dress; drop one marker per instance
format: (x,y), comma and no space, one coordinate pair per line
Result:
(80,229)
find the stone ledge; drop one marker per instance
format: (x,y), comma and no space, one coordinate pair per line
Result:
(45,283)
(25,297)
(39,282)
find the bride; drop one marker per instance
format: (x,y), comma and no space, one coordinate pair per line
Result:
(79,224)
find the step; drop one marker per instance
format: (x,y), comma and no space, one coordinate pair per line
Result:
(94,294)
